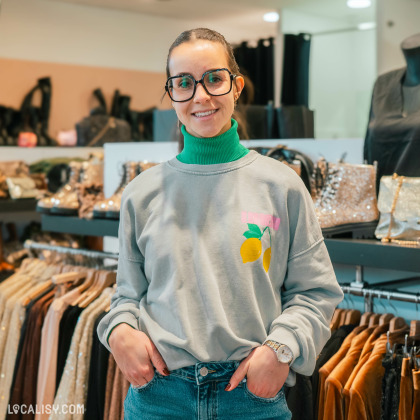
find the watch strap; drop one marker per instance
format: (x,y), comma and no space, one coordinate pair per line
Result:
(276,347)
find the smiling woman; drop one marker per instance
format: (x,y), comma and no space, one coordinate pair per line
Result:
(224,287)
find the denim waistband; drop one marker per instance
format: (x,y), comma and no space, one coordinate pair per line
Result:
(201,373)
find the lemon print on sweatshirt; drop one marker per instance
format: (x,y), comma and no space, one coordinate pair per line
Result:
(251,249)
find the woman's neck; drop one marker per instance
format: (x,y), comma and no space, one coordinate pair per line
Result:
(211,150)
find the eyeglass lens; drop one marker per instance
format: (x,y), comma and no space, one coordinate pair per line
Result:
(217,83)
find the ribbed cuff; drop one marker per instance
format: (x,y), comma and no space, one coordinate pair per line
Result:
(122,318)
(284,335)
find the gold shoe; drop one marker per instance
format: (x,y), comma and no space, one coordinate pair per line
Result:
(110,207)
(45,204)
(347,202)
(89,184)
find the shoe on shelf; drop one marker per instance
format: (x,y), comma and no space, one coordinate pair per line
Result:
(346,204)
(89,183)
(110,207)
(44,205)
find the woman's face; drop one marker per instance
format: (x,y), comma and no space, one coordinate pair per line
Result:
(195,58)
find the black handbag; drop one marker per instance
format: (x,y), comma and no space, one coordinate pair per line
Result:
(35,119)
(282,153)
(29,118)
(100,127)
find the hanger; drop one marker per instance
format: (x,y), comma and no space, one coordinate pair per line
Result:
(104,280)
(342,319)
(40,274)
(88,280)
(385,318)
(68,277)
(39,289)
(364,320)
(396,323)
(374,320)
(353,316)
(85,288)
(336,319)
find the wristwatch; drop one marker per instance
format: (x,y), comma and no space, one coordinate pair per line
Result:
(283,352)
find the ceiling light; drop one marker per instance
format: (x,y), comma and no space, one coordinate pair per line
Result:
(359,4)
(271,17)
(365,26)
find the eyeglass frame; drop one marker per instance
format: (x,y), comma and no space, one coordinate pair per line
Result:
(196,82)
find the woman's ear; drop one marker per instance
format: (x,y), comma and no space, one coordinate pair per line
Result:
(239,84)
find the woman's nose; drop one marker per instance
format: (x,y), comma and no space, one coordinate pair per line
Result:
(200,94)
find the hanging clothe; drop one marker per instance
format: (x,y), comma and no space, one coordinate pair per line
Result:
(295,85)
(24,387)
(258,64)
(405,405)
(365,392)
(95,403)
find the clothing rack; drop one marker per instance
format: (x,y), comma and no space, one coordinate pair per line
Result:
(370,293)
(70,251)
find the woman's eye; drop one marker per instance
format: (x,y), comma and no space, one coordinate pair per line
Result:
(185,83)
(213,78)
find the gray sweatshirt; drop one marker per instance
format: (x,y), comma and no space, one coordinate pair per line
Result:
(215,259)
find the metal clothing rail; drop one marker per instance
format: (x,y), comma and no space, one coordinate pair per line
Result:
(370,293)
(70,251)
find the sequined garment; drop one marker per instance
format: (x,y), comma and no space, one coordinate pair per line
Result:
(110,375)
(348,196)
(14,317)
(84,357)
(76,363)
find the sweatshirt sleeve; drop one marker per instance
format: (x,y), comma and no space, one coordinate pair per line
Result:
(131,280)
(310,291)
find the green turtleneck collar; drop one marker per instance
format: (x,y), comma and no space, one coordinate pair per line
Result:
(211,150)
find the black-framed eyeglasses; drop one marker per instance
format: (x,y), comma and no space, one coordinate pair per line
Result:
(215,82)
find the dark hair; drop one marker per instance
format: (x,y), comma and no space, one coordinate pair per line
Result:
(214,36)
(206,35)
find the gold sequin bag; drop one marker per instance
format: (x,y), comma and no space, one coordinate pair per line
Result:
(399,207)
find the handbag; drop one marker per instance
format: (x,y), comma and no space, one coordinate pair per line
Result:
(399,207)
(290,156)
(34,119)
(100,127)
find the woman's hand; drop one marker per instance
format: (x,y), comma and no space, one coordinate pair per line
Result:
(265,374)
(135,355)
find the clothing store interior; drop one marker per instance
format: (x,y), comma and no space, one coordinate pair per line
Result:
(332,89)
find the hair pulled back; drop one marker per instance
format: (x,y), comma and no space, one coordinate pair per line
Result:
(206,35)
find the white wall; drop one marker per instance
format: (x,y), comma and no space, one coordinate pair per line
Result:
(396,20)
(60,32)
(342,73)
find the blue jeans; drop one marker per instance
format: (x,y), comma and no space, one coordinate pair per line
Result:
(197,392)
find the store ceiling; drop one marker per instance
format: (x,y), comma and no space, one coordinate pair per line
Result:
(209,9)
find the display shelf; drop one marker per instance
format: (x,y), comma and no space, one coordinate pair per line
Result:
(373,253)
(77,226)
(9,205)
(367,253)
(18,210)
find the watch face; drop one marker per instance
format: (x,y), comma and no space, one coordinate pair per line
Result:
(284,354)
